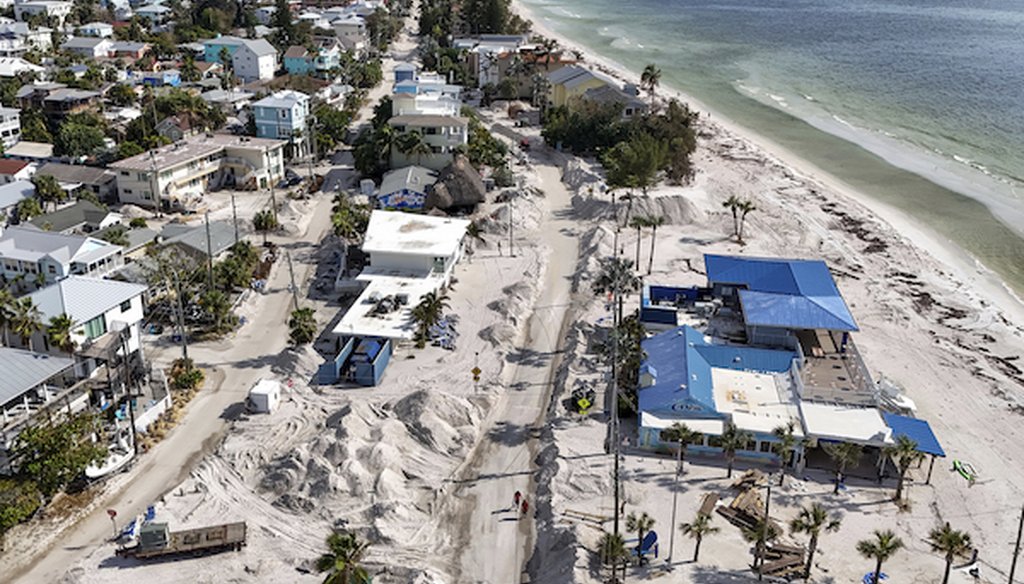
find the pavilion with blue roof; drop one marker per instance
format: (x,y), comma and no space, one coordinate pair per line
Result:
(777,294)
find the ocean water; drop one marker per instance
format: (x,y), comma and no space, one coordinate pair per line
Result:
(918,104)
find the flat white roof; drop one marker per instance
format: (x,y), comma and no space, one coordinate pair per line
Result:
(846,423)
(757,402)
(360,320)
(409,233)
(265,387)
(711,427)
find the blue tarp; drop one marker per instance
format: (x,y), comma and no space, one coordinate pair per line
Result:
(917,430)
(785,293)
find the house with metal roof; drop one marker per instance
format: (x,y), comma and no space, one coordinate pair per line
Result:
(405,188)
(75,179)
(10,195)
(282,116)
(30,382)
(193,241)
(81,217)
(88,46)
(251,59)
(29,256)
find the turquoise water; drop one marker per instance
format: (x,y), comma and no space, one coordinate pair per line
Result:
(919,104)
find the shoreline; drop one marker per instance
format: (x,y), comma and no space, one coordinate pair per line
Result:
(963,266)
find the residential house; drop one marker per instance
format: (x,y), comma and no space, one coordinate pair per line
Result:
(10,126)
(405,72)
(192,240)
(12,66)
(299,60)
(334,94)
(176,128)
(128,50)
(19,37)
(56,100)
(15,171)
(107,315)
(30,151)
(632,106)
(283,116)
(311,18)
(30,255)
(55,10)
(10,195)
(409,256)
(572,82)
(229,101)
(97,29)
(424,104)
(89,47)
(180,173)
(484,52)
(156,13)
(76,179)
(265,14)
(165,78)
(138,241)
(351,32)
(30,382)
(444,135)
(251,59)
(80,218)
(405,188)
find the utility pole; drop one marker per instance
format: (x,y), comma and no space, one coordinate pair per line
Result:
(234,215)
(1016,546)
(675,498)
(127,385)
(511,239)
(181,319)
(209,252)
(273,202)
(156,182)
(615,404)
(764,532)
(291,275)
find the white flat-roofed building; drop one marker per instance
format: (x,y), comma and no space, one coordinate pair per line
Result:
(843,423)
(409,256)
(14,66)
(183,171)
(429,104)
(27,252)
(97,29)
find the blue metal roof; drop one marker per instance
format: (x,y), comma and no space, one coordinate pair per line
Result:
(917,430)
(785,293)
(681,360)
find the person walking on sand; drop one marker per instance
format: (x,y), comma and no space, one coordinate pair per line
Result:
(515,499)
(526,507)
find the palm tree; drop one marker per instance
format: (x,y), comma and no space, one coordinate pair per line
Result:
(682,436)
(27,321)
(638,223)
(745,208)
(698,529)
(613,552)
(786,445)
(650,79)
(763,532)
(116,236)
(616,277)
(217,307)
(7,304)
(733,205)
(475,231)
(844,455)
(904,454)
(302,326)
(428,313)
(412,143)
(48,190)
(733,439)
(880,549)
(264,222)
(641,524)
(341,561)
(653,223)
(951,543)
(58,333)
(812,520)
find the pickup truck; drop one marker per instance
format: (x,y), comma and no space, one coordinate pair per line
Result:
(156,539)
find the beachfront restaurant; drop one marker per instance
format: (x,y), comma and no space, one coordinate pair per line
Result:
(705,383)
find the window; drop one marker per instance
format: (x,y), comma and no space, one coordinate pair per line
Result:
(126,306)
(284,114)
(51,269)
(439,263)
(765,447)
(95,327)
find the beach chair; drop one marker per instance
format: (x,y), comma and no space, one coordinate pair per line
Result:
(647,547)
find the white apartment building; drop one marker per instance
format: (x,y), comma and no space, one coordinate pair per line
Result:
(57,9)
(10,126)
(30,255)
(178,174)
(443,134)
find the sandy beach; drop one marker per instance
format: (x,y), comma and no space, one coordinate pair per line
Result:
(424,465)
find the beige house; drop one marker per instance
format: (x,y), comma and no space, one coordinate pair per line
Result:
(445,135)
(180,173)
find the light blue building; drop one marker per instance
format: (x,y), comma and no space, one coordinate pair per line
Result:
(283,116)
(405,72)
(299,60)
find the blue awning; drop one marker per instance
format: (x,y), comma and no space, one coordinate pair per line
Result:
(917,430)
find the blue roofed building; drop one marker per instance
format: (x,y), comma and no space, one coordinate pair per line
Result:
(795,304)
(704,383)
